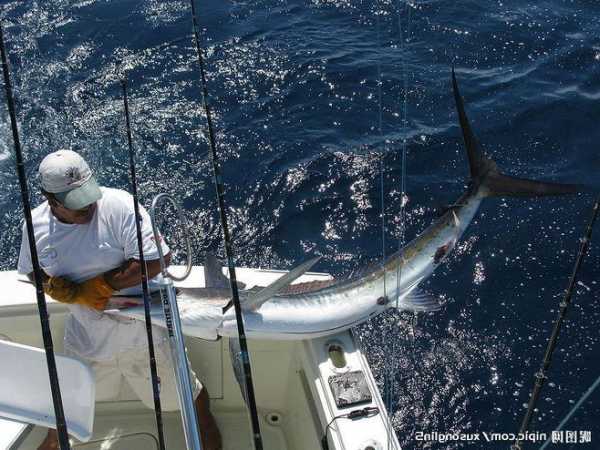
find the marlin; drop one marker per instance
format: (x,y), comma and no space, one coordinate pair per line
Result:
(307,310)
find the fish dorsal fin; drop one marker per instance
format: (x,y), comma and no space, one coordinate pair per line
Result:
(214,276)
(254,301)
(213,273)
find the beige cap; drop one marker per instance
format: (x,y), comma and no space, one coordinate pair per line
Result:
(65,174)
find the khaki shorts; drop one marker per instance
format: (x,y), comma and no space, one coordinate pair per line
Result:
(133,367)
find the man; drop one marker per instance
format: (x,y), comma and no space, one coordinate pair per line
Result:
(87,245)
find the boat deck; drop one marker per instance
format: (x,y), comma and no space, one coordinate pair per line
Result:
(291,380)
(119,427)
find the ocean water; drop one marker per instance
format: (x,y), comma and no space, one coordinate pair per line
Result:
(313,102)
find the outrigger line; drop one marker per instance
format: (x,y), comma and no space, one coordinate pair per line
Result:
(402,32)
(145,290)
(245,357)
(540,376)
(61,424)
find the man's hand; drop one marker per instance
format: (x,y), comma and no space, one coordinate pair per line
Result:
(60,289)
(93,293)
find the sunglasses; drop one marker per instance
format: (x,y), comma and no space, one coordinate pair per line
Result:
(80,211)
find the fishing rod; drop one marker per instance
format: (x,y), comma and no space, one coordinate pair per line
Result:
(145,290)
(245,357)
(540,376)
(59,414)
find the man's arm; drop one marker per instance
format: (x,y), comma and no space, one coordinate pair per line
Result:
(96,292)
(130,272)
(127,275)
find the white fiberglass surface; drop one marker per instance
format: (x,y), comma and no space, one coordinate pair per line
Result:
(9,430)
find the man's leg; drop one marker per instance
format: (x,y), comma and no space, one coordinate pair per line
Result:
(50,442)
(135,369)
(209,431)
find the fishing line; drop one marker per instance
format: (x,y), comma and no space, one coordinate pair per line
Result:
(402,219)
(145,290)
(382,154)
(244,354)
(580,402)
(388,370)
(61,424)
(403,196)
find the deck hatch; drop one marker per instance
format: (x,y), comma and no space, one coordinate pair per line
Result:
(350,389)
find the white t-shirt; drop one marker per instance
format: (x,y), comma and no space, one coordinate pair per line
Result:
(80,252)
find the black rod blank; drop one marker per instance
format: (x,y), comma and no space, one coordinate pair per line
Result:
(61,424)
(245,357)
(145,290)
(540,376)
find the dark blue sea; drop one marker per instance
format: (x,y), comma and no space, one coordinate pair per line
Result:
(313,102)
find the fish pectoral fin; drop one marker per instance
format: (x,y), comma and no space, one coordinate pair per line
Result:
(419,301)
(254,301)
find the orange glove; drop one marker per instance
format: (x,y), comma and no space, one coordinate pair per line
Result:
(93,293)
(60,289)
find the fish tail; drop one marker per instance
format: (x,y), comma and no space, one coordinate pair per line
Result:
(485,176)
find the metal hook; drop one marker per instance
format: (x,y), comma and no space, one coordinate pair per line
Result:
(186,234)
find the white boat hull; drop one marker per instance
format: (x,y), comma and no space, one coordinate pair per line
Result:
(291,377)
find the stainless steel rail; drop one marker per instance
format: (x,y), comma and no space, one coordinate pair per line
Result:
(169,301)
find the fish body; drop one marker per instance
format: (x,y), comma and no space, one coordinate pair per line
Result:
(347,303)
(313,310)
